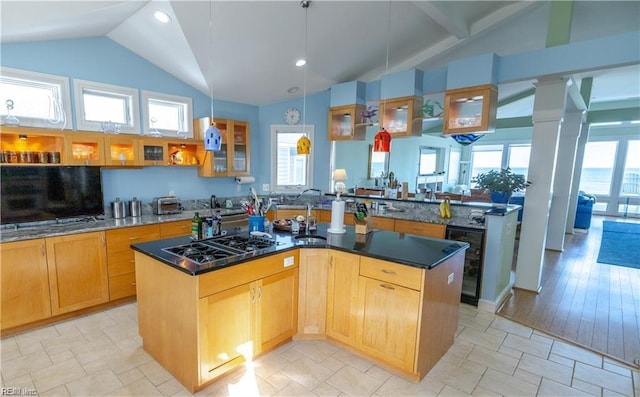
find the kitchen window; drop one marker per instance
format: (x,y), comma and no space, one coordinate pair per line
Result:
(290,172)
(171,115)
(97,104)
(39,100)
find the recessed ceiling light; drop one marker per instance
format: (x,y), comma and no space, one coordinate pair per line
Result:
(293,90)
(301,62)
(162,16)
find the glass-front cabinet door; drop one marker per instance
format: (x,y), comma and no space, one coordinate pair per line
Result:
(154,152)
(121,151)
(240,148)
(84,149)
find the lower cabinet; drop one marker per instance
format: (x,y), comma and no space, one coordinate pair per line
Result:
(387,319)
(24,283)
(77,265)
(214,322)
(120,261)
(312,293)
(175,228)
(342,291)
(420,228)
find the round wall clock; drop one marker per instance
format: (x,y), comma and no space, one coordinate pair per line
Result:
(292,116)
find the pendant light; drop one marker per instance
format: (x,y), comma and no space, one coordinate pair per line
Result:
(382,140)
(303,146)
(212,137)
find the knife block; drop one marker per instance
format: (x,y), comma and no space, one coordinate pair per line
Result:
(364,226)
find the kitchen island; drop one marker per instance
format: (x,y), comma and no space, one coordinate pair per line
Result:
(393,297)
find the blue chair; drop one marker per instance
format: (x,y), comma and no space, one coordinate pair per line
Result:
(584,210)
(518,198)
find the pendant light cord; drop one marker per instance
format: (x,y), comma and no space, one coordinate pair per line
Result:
(210,56)
(305,5)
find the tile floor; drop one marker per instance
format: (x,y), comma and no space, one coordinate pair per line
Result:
(101,354)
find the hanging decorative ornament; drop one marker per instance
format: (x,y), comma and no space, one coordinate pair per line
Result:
(466,139)
(212,139)
(303,145)
(382,141)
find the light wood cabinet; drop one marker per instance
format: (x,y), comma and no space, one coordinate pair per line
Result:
(154,151)
(175,229)
(324,216)
(387,322)
(46,147)
(401,116)
(342,291)
(470,110)
(24,283)
(122,151)
(420,228)
(312,293)
(120,258)
(233,157)
(77,266)
(211,323)
(345,123)
(84,149)
(383,223)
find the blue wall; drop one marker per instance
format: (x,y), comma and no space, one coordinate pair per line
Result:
(102,60)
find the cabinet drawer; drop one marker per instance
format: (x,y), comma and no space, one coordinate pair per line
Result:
(407,276)
(122,286)
(121,239)
(420,228)
(175,229)
(383,223)
(121,263)
(220,280)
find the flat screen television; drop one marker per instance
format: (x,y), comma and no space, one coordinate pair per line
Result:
(31,194)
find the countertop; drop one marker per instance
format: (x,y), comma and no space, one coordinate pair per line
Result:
(406,249)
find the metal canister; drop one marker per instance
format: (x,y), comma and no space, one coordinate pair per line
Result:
(25,157)
(42,157)
(119,208)
(3,157)
(135,207)
(54,157)
(12,157)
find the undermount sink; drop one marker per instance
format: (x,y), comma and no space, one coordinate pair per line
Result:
(310,239)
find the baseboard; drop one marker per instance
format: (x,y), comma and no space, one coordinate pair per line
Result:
(494,306)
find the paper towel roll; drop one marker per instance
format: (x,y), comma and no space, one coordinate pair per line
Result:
(245,180)
(337,217)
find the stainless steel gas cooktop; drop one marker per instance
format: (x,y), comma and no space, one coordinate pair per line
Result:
(215,249)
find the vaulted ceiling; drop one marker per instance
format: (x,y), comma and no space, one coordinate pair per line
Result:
(244,51)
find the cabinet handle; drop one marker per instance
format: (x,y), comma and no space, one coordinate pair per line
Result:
(391,272)
(134,238)
(331,261)
(42,251)
(253,295)
(386,286)
(133,283)
(104,241)
(259,294)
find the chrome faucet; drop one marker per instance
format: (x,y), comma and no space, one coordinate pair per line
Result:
(308,190)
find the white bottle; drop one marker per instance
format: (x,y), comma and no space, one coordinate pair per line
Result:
(295,226)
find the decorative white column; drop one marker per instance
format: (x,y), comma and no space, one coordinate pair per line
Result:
(577,173)
(548,112)
(569,133)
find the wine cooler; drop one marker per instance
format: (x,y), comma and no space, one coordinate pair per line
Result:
(473,261)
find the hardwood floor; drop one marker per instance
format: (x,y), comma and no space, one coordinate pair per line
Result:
(592,304)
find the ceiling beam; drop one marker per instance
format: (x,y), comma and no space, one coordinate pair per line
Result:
(503,14)
(454,24)
(516,97)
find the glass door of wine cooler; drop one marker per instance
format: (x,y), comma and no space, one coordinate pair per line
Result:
(473,261)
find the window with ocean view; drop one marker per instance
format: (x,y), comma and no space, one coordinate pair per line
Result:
(597,168)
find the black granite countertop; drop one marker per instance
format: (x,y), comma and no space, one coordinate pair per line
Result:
(395,247)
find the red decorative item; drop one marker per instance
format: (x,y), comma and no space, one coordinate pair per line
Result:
(382,141)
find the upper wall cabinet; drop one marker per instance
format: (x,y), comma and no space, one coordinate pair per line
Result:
(345,123)
(470,110)
(84,149)
(401,116)
(233,157)
(28,146)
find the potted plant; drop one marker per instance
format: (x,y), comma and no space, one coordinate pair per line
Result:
(500,184)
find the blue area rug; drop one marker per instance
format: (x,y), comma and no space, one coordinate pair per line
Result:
(620,244)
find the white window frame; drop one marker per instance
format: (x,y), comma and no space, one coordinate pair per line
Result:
(133,125)
(186,130)
(291,189)
(60,90)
